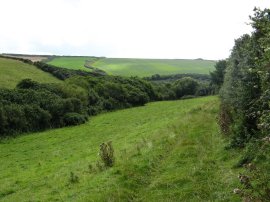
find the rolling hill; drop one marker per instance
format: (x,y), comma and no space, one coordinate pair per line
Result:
(13,71)
(164,151)
(137,67)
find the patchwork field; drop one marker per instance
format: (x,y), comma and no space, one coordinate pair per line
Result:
(13,71)
(164,151)
(138,67)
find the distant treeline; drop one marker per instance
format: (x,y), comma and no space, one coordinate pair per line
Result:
(64,73)
(174,77)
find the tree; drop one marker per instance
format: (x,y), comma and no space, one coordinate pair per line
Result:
(217,76)
(185,86)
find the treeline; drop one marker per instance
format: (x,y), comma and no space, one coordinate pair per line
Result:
(64,73)
(174,77)
(88,64)
(34,106)
(176,86)
(16,58)
(245,105)
(185,87)
(245,91)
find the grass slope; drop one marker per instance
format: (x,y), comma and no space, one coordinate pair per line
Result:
(138,67)
(165,151)
(13,71)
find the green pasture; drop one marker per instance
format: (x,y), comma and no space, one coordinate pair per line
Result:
(164,151)
(138,67)
(13,71)
(76,63)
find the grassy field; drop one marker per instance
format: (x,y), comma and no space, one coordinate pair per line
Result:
(138,67)
(165,151)
(148,67)
(13,71)
(70,62)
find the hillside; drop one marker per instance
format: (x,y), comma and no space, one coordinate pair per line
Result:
(13,71)
(70,62)
(165,151)
(137,67)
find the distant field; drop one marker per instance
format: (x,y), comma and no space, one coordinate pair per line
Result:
(138,67)
(165,151)
(13,71)
(70,62)
(148,67)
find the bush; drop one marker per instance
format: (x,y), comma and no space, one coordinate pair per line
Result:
(37,118)
(185,86)
(47,107)
(74,119)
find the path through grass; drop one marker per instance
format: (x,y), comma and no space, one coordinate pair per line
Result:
(165,151)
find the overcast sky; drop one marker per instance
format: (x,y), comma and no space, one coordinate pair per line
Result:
(125,28)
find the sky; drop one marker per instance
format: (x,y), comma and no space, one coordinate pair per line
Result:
(184,29)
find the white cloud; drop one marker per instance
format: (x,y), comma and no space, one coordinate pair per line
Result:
(125,28)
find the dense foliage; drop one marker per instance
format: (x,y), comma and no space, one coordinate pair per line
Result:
(217,76)
(33,106)
(245,103)
(174,77)
(181,88)
(63,73)
(246,89)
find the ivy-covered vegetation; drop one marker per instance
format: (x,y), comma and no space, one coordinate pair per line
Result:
(245,104)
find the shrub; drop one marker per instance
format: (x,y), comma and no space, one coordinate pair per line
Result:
(74,119)
(37,118)
(106,154)
(34,106)
(185,86)
(224,119)
(27,84)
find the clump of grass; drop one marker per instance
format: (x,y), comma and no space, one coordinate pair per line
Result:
(73,178)
(255,182)
(91,168)
(106,153)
